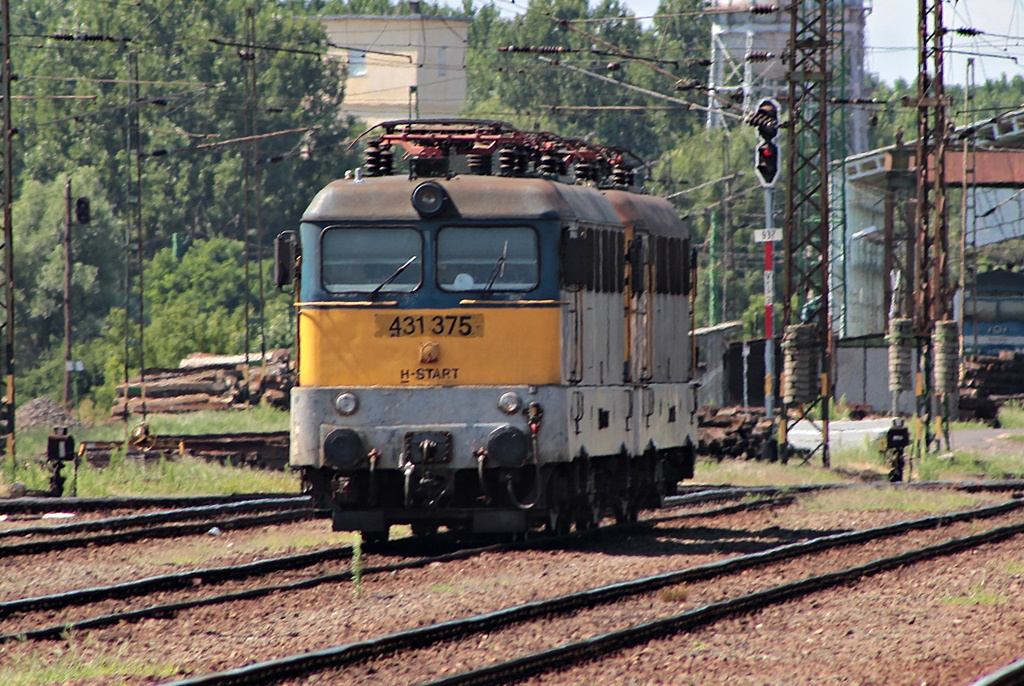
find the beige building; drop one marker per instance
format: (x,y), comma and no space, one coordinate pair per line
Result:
(401,67)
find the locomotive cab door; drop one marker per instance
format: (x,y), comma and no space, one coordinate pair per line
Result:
(639,320)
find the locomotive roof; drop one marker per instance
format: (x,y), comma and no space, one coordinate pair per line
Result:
(654,214)
(477,197)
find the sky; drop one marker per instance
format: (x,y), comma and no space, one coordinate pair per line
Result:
(891,36)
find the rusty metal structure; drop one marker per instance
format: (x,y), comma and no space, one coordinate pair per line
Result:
(932,302)
(806,235)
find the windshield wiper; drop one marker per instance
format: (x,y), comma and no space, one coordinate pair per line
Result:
(498,270)
(394,275)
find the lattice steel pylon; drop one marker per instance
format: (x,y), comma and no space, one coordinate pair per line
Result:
(7,247)
(806,234)
(931,302)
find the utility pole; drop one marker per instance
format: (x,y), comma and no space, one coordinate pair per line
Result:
(766,167)
(68,364)
(7,248)
(134,239)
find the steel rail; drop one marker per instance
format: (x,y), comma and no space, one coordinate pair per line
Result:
(160,531)
(170,582)
(35,505)
(296,665)
(161,517)
(1010,675)
(570,654)
(219,575)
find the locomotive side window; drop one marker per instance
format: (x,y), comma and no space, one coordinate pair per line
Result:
(487,259)
(360,260)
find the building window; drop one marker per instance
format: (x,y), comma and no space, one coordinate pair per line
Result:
(356,63)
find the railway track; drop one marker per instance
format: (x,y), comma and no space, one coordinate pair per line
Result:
(38,506)
(430,639)
(164,524)
(186,581)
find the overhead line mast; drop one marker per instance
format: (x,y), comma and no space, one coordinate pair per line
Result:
(807,339)
(931,303)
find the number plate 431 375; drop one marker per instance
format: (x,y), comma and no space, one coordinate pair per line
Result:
(460,325)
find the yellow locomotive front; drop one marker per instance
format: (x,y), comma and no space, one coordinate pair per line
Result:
(436,340)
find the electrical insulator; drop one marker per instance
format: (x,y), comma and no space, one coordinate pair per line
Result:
(901,345)
(765,119)
(82,210)
(479,164)
(946,344)
(371,162)
(801,384)
(507,159)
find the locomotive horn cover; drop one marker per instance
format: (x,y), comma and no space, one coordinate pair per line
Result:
(508,446)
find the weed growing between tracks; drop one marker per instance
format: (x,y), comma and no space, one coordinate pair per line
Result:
(81,660)
(893,499)
(357,566)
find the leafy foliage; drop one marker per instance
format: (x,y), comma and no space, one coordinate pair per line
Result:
(539,95)
(196,122)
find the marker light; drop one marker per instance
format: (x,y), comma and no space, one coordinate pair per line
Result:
(346,404)
(509,402)
(428,198)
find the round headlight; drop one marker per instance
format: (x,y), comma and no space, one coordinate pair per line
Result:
(509,402)
(346,403)
(428,198)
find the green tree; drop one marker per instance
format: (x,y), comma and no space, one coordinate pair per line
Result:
(73,113)
(194,303)
(534,94)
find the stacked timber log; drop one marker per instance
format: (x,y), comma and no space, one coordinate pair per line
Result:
(988,382)
(209,382)
(987,376)
(731,432)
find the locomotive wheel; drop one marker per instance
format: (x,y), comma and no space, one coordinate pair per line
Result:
(424,529)
(588,517)
(373,537)
(559,513)
(626,511)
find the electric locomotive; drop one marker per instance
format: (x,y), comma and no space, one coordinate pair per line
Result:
(496,340)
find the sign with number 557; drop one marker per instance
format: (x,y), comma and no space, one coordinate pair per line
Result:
(767,235)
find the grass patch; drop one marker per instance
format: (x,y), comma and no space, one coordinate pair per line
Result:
(77,661)
(444,587)
(1011,415)
(185,476)
(969,464)
(674,594)
(896,499)
(754,473)
(978,596)
(257,419)
(131,477)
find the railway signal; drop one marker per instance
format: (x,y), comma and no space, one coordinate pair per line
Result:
(767,163)
(82,210)
(766,157)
